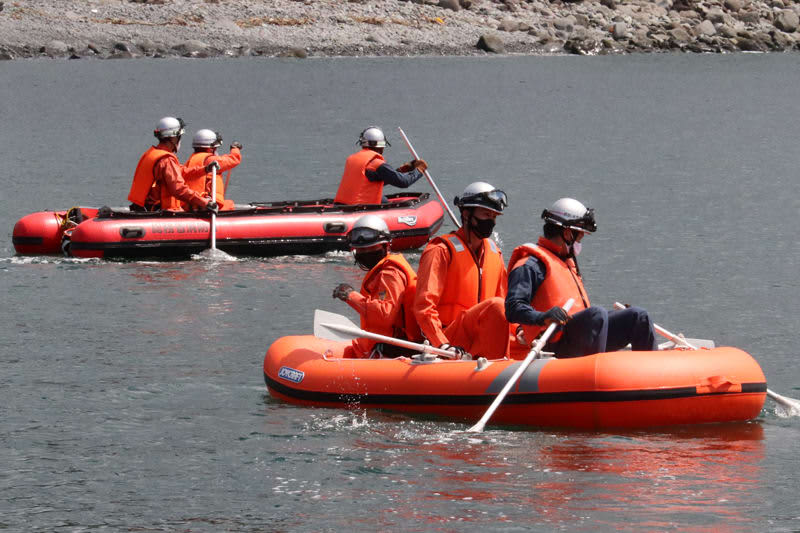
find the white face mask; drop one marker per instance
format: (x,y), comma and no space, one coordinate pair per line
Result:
(576,248)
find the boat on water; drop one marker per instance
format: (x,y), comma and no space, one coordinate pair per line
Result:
(623,389)
(256,229)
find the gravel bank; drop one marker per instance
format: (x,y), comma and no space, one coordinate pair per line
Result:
(207,28)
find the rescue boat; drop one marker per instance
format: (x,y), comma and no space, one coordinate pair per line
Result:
(256,229)
(623,389)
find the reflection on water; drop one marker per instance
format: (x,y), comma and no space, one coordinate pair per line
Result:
(428,474)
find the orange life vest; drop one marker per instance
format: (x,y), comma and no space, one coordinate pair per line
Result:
(406,325)
(198,184)
(355,188)
(467,284)
(144,178)
(561,281)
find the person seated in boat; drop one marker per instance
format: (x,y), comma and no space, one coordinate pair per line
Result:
(159,182)
(462,280)
(205,143)
(544,275)
(387,290)
(366,172)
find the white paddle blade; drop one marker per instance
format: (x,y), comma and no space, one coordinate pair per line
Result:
(790,405)
(323,318)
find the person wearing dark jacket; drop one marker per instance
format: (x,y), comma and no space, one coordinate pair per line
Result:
(543,276)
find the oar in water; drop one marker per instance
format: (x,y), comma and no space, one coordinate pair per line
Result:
(213,215)
(430,180)
(213,252)
(533,354)
(789,403)
(335,327)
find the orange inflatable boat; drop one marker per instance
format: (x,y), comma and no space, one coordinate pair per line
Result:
(608,390)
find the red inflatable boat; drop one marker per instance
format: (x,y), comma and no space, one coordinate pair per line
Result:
(258,229)
(607,390)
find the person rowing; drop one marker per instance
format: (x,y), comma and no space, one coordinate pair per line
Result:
(545,274)
(366,171)
(387,290)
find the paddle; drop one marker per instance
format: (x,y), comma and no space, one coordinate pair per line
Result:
(533,354)
(228,179)
(430,180)
(789,403)
(329,326)
(213,215)
(213,252)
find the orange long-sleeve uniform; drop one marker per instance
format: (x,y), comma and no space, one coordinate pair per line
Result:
(202,184)
(160,174)
(380,303)
(479,325)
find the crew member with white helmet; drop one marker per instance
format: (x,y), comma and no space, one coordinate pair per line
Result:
(544,275)
(462,280)
(387,291)
(205,143)
(366,172)
(159,182)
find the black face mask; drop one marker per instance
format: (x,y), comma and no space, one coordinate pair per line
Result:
(367,260)
(482,227)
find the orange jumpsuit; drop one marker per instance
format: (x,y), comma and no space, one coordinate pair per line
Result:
(202,184)
(168,186)
(482,328)
(381,301)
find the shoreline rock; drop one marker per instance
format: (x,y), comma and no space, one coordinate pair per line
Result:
(114,29)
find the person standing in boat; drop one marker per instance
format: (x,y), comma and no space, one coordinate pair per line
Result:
(205,143)
(544,275)
(159,182)
(387,291)
(462,281)
(366,172)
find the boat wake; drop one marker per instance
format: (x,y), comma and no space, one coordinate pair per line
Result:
(46,260)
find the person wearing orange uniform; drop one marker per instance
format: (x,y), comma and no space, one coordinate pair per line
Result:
(205,143)
(543,276)
(366,172)
(462,279)
(159,182)
(387,291)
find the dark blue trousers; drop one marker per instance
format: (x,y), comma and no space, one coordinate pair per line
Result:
(596,330)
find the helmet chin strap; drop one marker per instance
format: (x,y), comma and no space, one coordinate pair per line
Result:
(571,250)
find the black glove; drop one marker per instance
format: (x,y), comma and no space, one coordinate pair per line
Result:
(554,314)
(212,206)
(236,144)
(460,352)
(211,165)
(342,291)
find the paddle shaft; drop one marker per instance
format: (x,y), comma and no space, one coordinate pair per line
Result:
(213,215)
(358,332)
(533,354)
(430,180)
(783,400)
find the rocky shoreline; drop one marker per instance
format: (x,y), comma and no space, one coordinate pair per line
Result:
(111,29)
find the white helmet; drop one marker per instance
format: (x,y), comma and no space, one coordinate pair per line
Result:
(482,194)
(570,213)
(206,139)
(367,231)
(169,127)
(372,137)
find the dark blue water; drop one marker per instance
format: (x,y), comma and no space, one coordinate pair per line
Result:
(132,396)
